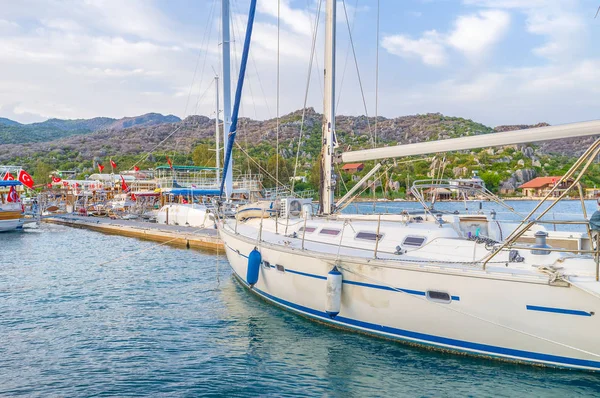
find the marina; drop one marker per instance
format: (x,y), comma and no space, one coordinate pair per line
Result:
(239,250)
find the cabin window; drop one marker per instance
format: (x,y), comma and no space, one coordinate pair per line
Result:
(368,236)
(329,231)
(280,267)
(266,264)
(440,297)
(308,229)
(415,241)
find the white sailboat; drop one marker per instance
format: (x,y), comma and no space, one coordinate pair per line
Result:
(464,283)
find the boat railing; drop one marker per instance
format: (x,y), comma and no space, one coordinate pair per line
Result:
(575,173)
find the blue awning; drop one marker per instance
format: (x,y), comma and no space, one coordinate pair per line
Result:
(10,183)
(194,192)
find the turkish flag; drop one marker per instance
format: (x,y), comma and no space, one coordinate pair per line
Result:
(26,179)
(170,163)
(124,186)
(133,197)
(113,164)
(100,168)
(66,183)
(49,185)
(56,179)
(8,177)
(135,168)
(13,196)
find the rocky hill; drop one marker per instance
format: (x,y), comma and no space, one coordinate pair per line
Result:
(127,139)
(12,132)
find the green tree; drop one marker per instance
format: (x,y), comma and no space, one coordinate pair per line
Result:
(41,172)
(203,155)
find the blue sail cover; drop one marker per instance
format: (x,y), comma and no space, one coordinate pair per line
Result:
(194,192)
(238,93)
(10,183)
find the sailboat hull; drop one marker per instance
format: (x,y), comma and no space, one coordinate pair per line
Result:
(494,316)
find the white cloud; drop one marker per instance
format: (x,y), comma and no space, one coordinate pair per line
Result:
(475,34)
(558,21)
(428,48)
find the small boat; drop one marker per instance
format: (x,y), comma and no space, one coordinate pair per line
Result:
(11,210)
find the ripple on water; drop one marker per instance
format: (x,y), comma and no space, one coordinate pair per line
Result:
(157,323)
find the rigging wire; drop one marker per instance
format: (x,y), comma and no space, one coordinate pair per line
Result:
(377,76)
(339,94)
(278,99)
(205,40)
(362,92)
(258,165)
(308,78)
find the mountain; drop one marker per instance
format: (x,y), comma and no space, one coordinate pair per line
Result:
(146,133)
(128,139)
(7,122)
(53,129)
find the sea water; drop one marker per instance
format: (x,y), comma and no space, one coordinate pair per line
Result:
(88,314)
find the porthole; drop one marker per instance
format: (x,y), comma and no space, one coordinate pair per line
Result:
(280,268)
(440,297)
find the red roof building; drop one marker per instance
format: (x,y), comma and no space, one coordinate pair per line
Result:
(540,186)
(353,167)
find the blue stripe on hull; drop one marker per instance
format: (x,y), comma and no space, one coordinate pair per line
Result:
(430,340)
(558,310)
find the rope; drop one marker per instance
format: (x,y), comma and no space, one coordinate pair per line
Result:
(471,315)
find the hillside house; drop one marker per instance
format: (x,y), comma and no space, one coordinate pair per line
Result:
(353,167)
(540,186)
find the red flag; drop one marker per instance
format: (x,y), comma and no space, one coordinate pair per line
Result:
(66,183)
(113,164)
(135,168)
(170,163)
(133,197)
(26,179)
(13,196)
(56,179)
(100,168)
(124,186)
(8,177)
(49,185)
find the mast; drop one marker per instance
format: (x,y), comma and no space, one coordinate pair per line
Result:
(226,61)
(327,182)
(217,138)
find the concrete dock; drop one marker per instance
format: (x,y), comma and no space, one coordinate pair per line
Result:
(177,235)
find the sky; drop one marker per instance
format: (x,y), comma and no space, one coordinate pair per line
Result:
(493,61)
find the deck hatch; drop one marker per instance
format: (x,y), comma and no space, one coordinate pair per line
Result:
(368,236)
(329,231)
(308,229)
(414,241)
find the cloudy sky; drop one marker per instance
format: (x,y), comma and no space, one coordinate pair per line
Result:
(494,61)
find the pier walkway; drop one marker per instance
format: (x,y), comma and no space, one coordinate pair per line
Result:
(197,238)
